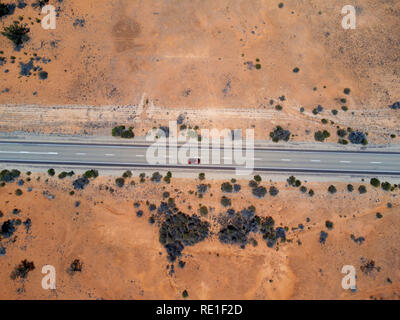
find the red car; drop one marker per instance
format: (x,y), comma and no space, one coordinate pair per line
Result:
(194,161)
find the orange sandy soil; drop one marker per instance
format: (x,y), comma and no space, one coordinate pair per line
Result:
(190,56)
(123,259)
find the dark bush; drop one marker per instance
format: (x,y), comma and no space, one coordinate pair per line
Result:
(21,271)
(120,182)
(280,134)
(17,33)
(80,183)
(64,174)
(311,192)
(91,173)
(273,191)
(395,106)
(253,184)
(202,188)
(375,182)
(386,186)
(350,188)
(202,176)
(322,237)
(9,176)
(259,192)
(121,131)
(75,266)
(43,75)
(203,210)
(236,187)
(362,189)
(357,137)
(156,177)
(226,187)
(6,9)
(341,133)
(127,174)
(226,202)
(329,224)
(332,189)
(179,230)
(291,181)
(51,172)
(321,135)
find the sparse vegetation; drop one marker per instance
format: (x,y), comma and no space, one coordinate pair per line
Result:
(375,182)
(17,33)
(279,134)
(226,202)
(332,189)
(120,182)
(321,135)
(122,132)
(362,189)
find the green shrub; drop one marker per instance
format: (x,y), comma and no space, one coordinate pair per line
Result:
(127,174)
(257,178)
(375,182)
(17,33)
(203,210)
(202,176)
(362,189)
(120,182)
(226,187)
(225,202)
(91,173)
(350,188)
(386,186)
(51,172)
(332,189)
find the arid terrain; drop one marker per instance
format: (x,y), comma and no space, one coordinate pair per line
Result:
(206,64)
(110,231)
(143,63)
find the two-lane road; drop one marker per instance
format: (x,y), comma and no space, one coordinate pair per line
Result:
(279,160)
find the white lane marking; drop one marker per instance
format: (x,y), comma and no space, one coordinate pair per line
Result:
(80,154)
(27,152)
(315,160)
(286,160)
(140,155)
(376,162)
(257,159)
(345,161)
(109,155)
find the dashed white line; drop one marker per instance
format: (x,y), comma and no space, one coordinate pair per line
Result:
(345,161)
(27,152)
(109,155)
(286,160)
(140,155)
(80,154)
(375,162)
(315,160)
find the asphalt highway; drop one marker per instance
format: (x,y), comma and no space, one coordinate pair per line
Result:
(277,160)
